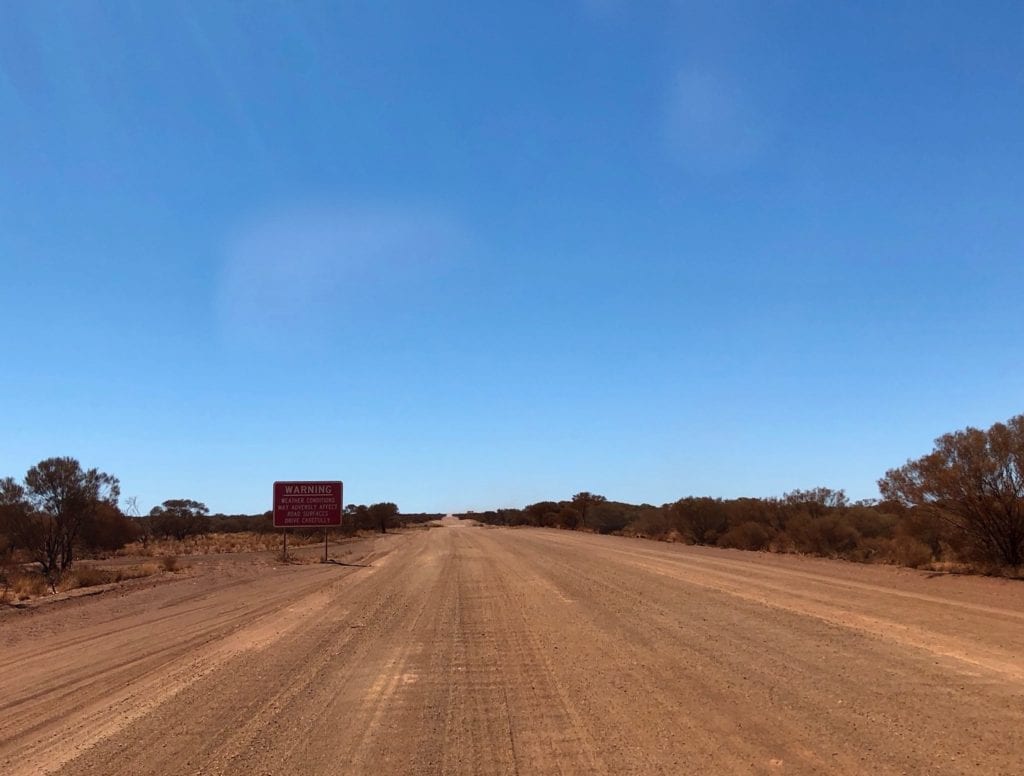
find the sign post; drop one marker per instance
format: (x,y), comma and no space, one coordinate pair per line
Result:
(307,504)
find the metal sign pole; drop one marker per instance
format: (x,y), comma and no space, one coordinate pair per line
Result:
(285,545)
(325,545)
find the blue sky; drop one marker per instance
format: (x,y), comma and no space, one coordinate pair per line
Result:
(467,255)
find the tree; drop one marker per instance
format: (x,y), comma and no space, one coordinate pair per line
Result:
(179,517)
(543,513)
(108,529)
(62,497)
(583,501)
(817,500)
(974,481)
(143,523)
(13,510)
(11,493)
(356,518)
(382,515)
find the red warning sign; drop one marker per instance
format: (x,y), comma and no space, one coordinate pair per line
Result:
(304,504)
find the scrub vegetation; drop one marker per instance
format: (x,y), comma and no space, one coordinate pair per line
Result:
(61,512)
(958,508)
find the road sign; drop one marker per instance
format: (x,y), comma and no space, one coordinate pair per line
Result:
(315,504)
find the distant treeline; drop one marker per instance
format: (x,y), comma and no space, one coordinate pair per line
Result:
(961,505)
(181,518)
(819,521)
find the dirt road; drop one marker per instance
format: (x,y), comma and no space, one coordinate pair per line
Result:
(468,650)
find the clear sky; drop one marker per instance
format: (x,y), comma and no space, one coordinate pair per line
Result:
(467,255)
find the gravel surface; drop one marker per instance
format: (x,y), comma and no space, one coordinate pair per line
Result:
(469,650)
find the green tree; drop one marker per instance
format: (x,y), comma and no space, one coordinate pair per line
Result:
(974,481)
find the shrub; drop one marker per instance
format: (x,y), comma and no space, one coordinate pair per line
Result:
(748,536)
(86,576)
(908,551)
(870,523)
(827,535)
(701,519)
(653,524)
(91,576)
(22,585)
(782,542)
(108,530)
(568,517)
(874,550)
(608,517)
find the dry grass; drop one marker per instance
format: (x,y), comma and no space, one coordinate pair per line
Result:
(90,576)
(983,569)
(223,543)
(22,585)
(207,544)
(25,585)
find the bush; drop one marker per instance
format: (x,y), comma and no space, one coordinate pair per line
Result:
(871,523)
(108,530)
(24,585)
(608,518)
(703,520)
(653,524)
(543,514)
(86,576)
(874,550)
(782,542)
(908,551)
(91,576)
(568,517)
(827,535)
(748,536)
(928,528)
